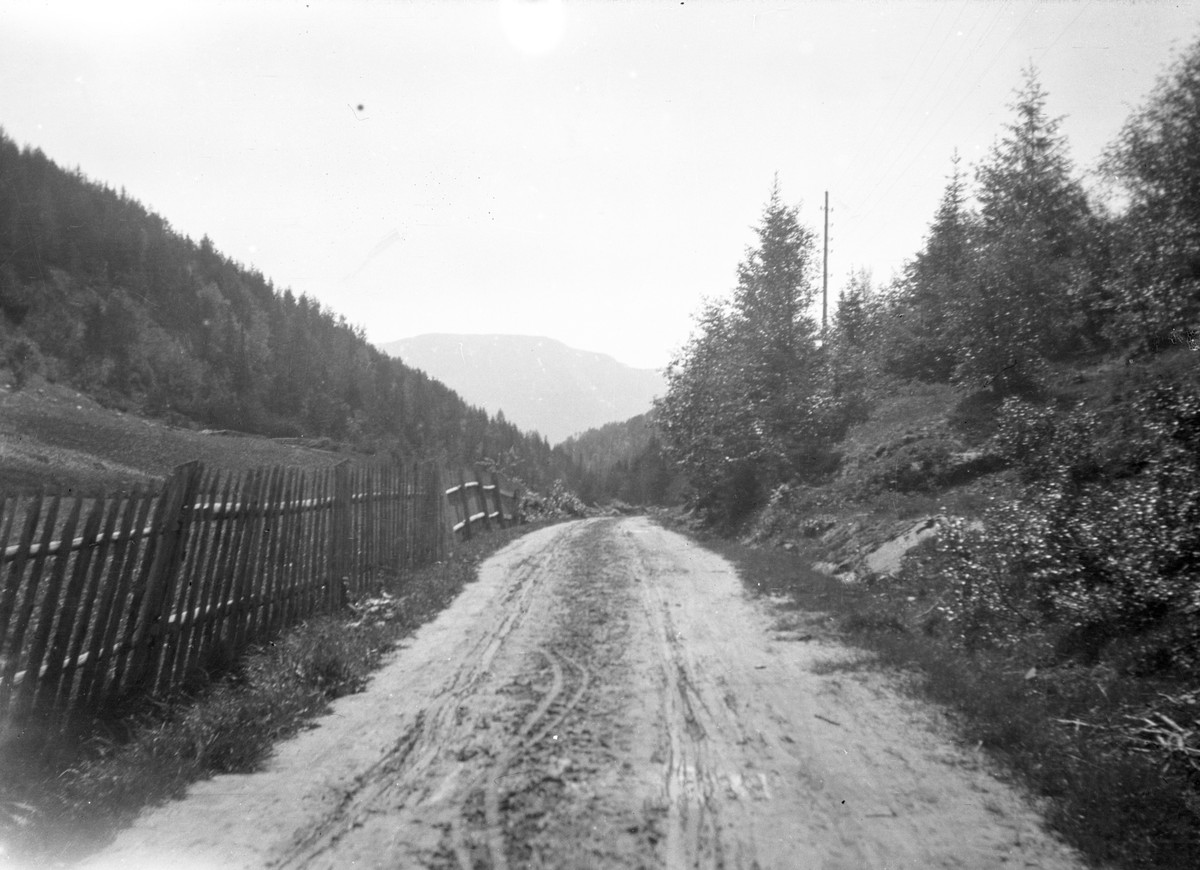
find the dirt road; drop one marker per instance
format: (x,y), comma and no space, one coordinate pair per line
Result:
(606,696)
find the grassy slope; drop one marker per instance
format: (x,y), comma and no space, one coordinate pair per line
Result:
(1073,730)
(51,435)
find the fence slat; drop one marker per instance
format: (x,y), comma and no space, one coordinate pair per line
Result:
(294,551)
(187,612)
(214,587)
(341,522)
(318,555)
(243,580)
(16,649)
(46,602)
(269,571)
(8,513)
(70,612)
(93,685)
(91,595)
(259,575)
(10,652)
(170,535)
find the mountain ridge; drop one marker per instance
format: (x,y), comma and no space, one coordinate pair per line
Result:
(538,382)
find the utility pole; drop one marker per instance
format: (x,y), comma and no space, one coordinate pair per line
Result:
(825,272)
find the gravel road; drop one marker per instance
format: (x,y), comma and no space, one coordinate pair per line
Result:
(607,696)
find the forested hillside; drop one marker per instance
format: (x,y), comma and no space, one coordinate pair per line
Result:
(623,461)
(99,292)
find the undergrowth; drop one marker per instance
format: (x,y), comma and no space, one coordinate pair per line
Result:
(64,801)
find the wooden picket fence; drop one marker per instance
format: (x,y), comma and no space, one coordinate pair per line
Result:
(110,597)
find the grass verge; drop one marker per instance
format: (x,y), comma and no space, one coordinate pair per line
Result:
(1080,735)
(60,805)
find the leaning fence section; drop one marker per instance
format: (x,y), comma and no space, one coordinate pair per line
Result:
(107,597)
(481,503)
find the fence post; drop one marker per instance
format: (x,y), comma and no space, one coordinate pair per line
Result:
(179,494)
(442,521)
(481,497)
(499,499)
(466,505)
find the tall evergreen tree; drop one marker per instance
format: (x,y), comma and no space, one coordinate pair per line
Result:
(740,400)
(1032,230)
(921,343)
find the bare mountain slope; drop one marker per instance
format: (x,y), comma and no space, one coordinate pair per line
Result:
(538,383)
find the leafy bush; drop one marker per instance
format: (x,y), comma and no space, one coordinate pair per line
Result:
(1104,558)
(558,503)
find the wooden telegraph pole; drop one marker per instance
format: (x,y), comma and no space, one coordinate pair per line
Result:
(825,272)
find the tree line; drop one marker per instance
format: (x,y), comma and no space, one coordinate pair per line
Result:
(1022,270)
(626,461)
(100,292)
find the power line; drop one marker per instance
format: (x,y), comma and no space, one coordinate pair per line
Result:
(902,108)
(957,105)
(951,80)
(891,101)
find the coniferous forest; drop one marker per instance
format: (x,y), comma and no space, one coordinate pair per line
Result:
(100,293)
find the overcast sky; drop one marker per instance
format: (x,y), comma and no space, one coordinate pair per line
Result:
(583,171)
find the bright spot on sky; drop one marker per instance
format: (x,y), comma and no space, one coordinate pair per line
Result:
(532,26)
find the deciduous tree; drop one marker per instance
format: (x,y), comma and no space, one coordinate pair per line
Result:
(1156,161)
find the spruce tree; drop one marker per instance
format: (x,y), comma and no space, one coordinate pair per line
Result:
(739,409)
(1017,306)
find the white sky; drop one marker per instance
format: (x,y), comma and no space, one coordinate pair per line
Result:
(583,171)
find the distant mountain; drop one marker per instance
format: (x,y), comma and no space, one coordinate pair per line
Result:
(538,383)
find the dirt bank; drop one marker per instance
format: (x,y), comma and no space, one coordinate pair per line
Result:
(607,696)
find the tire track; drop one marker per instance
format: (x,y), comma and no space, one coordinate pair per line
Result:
(708,792)
(490,779)
(397,778)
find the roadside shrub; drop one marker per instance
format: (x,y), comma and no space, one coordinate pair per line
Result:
(1044,444)
(1102,558)
(1025,434)
(558,503)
